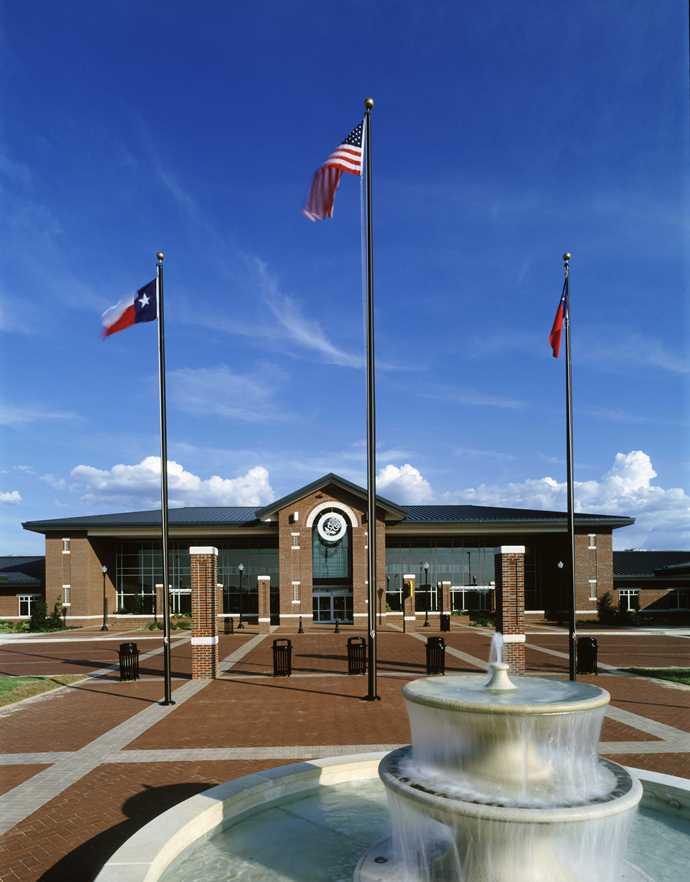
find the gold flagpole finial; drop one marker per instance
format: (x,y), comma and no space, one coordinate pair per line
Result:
(369,103)
(160,256)
(566,257)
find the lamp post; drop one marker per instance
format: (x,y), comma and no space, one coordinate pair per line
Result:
(240,570)
(426,593)
(104,626)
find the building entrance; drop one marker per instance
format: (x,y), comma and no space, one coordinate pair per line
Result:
(332,606)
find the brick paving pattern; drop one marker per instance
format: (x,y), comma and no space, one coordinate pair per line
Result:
(254,722)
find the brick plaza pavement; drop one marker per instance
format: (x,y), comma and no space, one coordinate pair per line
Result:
(82,768)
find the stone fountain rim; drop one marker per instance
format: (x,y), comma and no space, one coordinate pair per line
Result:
(599,697)
(444,806)
(146,855)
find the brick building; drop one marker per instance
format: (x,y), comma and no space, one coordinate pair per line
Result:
(311,544)
(655,582)
(22,584)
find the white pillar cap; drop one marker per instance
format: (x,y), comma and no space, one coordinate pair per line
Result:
(203,549)
(512,549)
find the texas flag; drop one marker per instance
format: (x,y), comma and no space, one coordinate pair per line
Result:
(557,327)
(131,311)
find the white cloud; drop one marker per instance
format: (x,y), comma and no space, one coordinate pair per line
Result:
(141,482)
(10,497)
(662,515)
(404,484)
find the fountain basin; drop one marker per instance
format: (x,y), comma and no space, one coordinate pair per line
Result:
(218,818)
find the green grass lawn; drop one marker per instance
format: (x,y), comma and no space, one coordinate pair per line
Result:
(15,688)
(675,675)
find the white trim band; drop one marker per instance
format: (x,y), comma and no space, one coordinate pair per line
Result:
(204,549)
(263,578)
(264,621)
(512,549)
(514,638)
(204,641)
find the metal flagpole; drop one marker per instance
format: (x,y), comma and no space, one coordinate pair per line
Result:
(164,479)
(572,628)
(372,693)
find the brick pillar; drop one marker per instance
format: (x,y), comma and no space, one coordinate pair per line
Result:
(510,604)
(264,589)
(204,566)
(408,602)
(444,599)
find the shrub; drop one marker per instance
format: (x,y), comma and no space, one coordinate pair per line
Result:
(39,616)
(606,609)
(54,621)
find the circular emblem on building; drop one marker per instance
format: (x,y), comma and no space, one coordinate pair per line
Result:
(331,526)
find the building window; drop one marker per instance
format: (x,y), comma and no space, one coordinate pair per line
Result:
(629,599)
(295,592)
(592,541)
(66,594)
(65,546)
(295,541)
(26,602)
(592,589)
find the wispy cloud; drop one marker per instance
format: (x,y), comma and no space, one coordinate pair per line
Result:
(18,415)
(219,391)
(472,398)
(10,497)
(479,453)
(289,316)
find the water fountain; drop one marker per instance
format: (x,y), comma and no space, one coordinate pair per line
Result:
(503,783)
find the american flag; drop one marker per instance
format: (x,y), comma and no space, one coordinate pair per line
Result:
(347,157)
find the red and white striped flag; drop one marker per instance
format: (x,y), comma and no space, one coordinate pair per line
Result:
(347,157)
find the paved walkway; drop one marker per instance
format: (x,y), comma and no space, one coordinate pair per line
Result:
(82,770)
(29,796)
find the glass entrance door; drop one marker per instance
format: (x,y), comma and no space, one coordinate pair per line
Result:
(330,606)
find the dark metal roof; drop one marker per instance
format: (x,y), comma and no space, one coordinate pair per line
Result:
(461,514)
(202,516)
(649,563)
(333,479)
(246,516)
(24,572)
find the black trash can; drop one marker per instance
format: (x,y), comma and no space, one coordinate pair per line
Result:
(129,661)
(435,655)
(356,655)
(587,650)
(445,622)
(282,657)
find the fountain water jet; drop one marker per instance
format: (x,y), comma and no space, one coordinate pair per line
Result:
(503,783)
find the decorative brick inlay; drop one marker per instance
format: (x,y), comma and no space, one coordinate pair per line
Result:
(510,604)
(204,567)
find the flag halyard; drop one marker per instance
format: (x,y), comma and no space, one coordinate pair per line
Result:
(347,157)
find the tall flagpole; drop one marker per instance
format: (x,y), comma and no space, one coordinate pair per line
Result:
(372,693)
(572,628)
(164,479)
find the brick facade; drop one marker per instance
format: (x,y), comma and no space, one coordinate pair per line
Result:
(204,573)
(510,604)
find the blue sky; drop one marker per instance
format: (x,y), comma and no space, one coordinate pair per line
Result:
(502,136)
